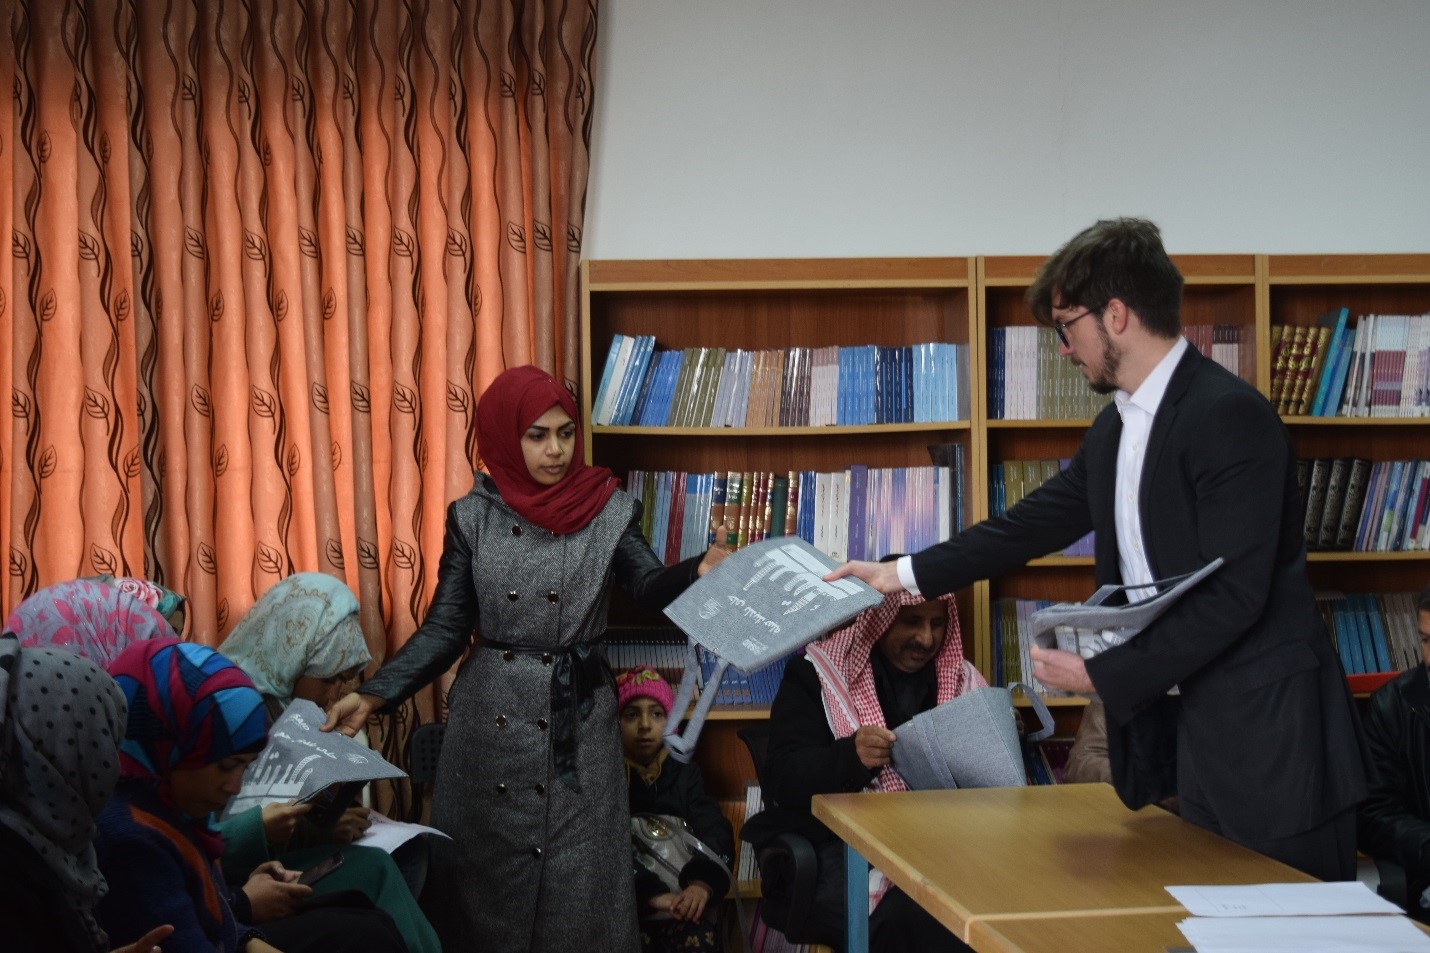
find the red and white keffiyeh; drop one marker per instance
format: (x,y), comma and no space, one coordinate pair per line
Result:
(846,674)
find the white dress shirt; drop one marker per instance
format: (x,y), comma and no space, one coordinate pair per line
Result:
(1137,411)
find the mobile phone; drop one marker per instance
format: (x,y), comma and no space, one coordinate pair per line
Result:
(321,869)
(330,802)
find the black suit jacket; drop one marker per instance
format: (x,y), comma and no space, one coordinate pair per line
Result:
(1265,713)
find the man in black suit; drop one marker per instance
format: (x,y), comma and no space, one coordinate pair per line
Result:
(1234,699)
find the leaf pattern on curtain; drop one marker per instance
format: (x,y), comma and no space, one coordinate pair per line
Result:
(265,257)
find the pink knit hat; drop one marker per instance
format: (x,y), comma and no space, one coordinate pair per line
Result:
(643,683)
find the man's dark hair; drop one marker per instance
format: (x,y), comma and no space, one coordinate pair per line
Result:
(1422,604)
(1120,258)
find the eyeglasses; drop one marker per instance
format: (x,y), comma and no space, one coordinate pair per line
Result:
(1060,328)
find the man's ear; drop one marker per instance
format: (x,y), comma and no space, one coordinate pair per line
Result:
(1118,316)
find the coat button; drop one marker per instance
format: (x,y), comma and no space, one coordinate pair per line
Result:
(516,531)
(541,789)
(501,721)
(536,852)
(542,723)
(501,787)
(513,595)
(509,655)
(546,658)
(553,596)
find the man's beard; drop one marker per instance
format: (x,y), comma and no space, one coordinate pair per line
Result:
(1106,380)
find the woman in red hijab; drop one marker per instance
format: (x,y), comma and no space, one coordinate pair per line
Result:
(531,784)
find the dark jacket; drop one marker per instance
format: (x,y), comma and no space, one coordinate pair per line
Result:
(1247,647)
(680,791)
(158,873)
(804,758)
(1394,820)
(34,908)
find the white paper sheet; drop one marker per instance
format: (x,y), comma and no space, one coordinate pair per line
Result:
(387,834)
(1356,934)
(1281,900)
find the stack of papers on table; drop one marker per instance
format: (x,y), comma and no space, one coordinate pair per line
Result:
(1295,918)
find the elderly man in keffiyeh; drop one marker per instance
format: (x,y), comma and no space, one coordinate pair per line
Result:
(830,732)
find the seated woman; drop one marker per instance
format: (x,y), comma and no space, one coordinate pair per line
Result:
(195,722)
(302,640)
(166,602)
(59,762)
(658,784)
(89,617)
(830,733)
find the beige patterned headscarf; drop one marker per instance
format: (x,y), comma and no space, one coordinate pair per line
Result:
(305,625)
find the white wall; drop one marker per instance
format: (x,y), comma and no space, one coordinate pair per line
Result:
(792,128)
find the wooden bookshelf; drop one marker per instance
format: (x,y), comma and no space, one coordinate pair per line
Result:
(806,302)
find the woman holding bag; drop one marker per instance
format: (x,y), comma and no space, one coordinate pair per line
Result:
(531,785)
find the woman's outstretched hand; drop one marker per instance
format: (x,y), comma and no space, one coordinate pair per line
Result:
(350,713)
(723,546)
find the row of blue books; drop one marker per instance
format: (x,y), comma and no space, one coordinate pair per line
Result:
(857,513)
(782,387)
(665,649)
(1374,632)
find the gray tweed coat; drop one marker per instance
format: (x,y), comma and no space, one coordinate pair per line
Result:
(533,865)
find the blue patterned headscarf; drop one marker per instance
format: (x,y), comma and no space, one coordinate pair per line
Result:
(188,707)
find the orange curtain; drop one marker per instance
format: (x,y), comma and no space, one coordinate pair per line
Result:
(266,255)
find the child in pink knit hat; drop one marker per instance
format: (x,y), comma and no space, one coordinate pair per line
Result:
(643,700)
(657,784)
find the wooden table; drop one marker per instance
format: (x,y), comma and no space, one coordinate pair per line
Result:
(991,855)
(1096,933)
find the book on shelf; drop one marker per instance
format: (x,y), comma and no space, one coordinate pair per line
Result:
(1353,504)
(1373,632)
(1335,497)
(1315,503)
(786,387)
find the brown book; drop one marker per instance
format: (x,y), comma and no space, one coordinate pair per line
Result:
(1309,372)
(792,507)
(747,496)
(1292,344)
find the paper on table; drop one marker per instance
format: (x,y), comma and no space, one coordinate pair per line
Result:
(1281,900)
(387,834)
(1303,934)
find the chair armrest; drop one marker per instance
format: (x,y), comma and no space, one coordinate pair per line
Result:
(797,852)
(1393,885)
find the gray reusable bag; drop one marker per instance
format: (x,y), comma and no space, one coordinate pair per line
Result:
(967,742)
(758,605)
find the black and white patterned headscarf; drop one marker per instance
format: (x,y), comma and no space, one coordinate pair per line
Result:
(61,725)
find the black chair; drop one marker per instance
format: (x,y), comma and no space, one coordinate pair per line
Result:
(1393,885)
(424,747)
(786,858)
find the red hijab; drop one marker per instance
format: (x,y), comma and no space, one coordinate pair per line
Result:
(513,402)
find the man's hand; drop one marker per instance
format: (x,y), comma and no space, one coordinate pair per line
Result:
(279,819)
(874,746)
(274,892)
(352,825)
(688,904)
(1061,670)
(882,576)
(350,713)
(149,942)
